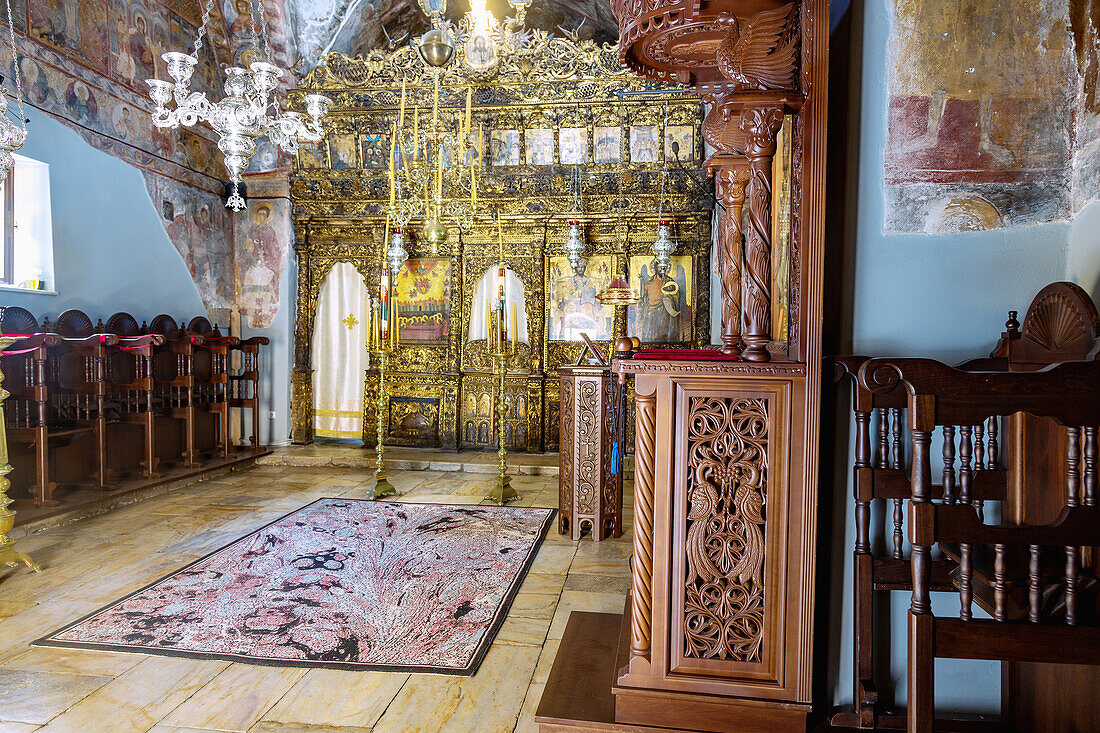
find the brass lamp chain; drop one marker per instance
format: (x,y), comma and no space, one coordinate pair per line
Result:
(15,70)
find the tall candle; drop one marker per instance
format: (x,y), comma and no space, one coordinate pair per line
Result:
(515,324)
(469,104)
(473,185)
(416,133)
(487,327)
(439,176)
(393,153)
(401,114)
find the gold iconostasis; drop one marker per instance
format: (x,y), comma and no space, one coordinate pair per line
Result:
(559,123)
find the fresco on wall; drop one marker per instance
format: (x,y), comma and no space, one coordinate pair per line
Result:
(85,63)
(199,227)
(981,114)
(260,258)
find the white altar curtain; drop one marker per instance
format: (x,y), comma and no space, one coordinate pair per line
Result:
(339,354)
(487,289)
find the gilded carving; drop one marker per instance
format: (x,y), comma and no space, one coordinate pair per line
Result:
(565,88)
(728,476)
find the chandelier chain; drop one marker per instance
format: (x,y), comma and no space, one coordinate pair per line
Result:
(202,28)
(259,32)
(15,70)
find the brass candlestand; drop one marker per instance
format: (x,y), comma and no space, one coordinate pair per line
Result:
(503,492)
(382,347)
(9,556)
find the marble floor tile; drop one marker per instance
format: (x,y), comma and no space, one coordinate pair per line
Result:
(572,600)
(10,608)
(336,699)
(74,661)
(8,727)
(139,698)
(36,697)
(235,699)
(487,702)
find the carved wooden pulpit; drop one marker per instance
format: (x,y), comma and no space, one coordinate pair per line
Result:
(718,632)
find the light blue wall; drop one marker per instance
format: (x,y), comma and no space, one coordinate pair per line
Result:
(945,297)
(110,251)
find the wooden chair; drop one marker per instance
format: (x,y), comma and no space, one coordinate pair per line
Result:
(78,385)
(210,385)
(244,382)
(25,365)
(1061,324)
(1043,598)
(173,386)
(130,387)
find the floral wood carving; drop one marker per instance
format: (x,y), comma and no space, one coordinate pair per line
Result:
(588,447)
(761,52)
(728,472)
(565,475)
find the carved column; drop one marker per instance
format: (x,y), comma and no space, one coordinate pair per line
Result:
(301,376)
(645,465)
(730,180)
(760,124)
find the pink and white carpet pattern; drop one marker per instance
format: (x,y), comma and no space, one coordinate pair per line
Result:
(342,583)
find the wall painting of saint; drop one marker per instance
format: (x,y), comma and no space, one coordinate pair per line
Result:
(574,145)
(663,313)
(680,143)
(540,146)
(643,143)
(573,306)
(504,145)
(608,144)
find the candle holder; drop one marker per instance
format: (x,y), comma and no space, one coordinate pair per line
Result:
(9,556)
(384,342)
(500,354)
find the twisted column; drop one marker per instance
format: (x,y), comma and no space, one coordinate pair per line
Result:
(641,607)
(760,125)
(730,183)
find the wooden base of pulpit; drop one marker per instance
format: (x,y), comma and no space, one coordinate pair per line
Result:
(582,693)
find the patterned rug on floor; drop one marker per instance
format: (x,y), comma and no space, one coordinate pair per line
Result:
(340,583)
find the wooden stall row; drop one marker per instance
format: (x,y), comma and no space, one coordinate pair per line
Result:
(94,405)
(1007,527)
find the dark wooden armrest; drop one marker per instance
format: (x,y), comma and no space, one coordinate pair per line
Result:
(29,342)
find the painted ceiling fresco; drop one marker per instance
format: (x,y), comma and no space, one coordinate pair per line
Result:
(992,113)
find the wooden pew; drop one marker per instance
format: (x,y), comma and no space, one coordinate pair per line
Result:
(1038,568)
(997,454)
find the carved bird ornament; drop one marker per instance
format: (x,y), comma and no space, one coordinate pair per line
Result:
(755,54)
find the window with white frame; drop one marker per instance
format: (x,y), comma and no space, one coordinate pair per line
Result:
(27,226)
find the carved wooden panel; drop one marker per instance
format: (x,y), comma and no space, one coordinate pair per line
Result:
(723,589)
(727,611)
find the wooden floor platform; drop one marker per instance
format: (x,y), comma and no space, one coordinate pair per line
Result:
(80,502)
(577,697)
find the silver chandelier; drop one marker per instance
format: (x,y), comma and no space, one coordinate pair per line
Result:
(249,111)
(12,136)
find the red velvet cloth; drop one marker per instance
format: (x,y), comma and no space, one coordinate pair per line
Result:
(684,354)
